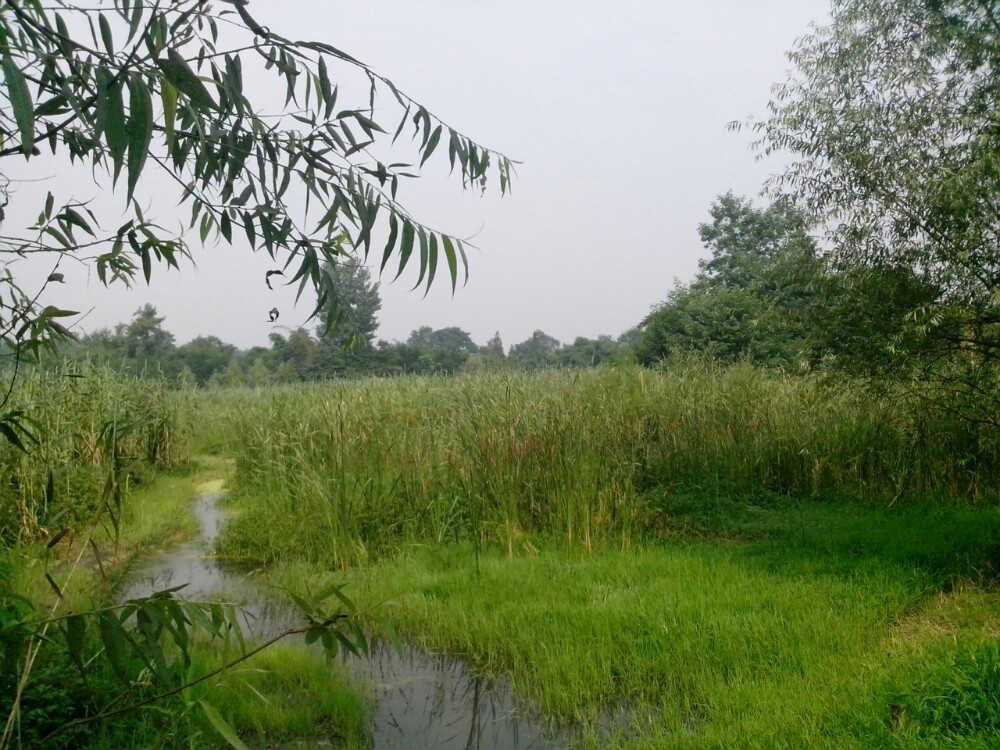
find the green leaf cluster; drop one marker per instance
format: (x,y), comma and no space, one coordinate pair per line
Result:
(127,87)
(751,297)
(889,117)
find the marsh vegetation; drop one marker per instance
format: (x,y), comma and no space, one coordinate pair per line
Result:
(699,556)
(782,533)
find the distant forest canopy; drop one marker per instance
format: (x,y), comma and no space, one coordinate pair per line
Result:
(764,293)
(144,347)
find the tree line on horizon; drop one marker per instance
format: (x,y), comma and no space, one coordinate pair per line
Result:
(144,347)
(764,293)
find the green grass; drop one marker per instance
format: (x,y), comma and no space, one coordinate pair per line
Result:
(155,516)
(590,459)
(289,693)
(285,697)
(785,641)
(694,558)
(951,541)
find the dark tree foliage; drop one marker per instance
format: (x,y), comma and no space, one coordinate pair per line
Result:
(890,116)
(584,352)
(453,339)
(353,306)
(747,243)
(750,296)
(534,353)
(143,346)
(205,356)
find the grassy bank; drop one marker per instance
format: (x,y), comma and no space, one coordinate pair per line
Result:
(781,628)
(694,558)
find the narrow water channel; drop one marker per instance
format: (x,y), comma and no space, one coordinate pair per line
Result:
(421,700)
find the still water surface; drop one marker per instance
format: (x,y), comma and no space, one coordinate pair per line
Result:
(421,700)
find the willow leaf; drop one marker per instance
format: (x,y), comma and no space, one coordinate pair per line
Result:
(449,254)
(432,143)
(391,243)
(432,259)
(405,246)
(221,726)
(140,129)
(422,236)
(20,102)
(115,644)
(168,98)
(179,73)
(109,45)
(115,128)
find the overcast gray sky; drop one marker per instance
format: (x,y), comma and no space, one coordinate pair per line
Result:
(618,111)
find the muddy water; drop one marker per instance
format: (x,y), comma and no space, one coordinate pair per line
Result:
(421,700)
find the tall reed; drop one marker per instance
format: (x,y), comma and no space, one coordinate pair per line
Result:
(743,429)
(96,432)
(331,473)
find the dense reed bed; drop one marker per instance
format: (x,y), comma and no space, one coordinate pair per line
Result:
(92,433)
(332,473)
(716,565)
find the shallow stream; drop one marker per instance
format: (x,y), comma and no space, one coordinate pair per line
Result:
(422,700)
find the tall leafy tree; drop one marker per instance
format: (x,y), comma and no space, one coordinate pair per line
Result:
(747,242)
(205,356)
(535,352)
(491,356)
(452,338)
(146,340)
(750,295)
(296,356)
(584,352)
(494,347)
(890,117)
(352,305)
(141,346)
